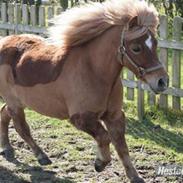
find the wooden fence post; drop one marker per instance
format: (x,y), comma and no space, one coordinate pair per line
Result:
(50,13)
(25,14)
(33,15)
(163,100)
(42,20)
(151,98)
(4,17)
(176,63)
(11,16)
(140,101)
(17,17)
(130,91)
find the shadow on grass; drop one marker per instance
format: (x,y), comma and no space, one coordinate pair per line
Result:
(146,129)
(37,174)
(172,117)
(8,176)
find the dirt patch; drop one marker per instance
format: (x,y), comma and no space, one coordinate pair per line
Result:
(73,154)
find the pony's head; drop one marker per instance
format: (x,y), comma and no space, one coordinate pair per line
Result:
(138,52)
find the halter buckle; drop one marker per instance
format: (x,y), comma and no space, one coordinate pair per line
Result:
(142,71)
(122,50)
(121,53)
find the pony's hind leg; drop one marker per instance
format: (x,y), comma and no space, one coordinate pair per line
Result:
(89,123)
(23,130)
(7,150)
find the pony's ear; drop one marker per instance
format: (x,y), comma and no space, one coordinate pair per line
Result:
(133,22)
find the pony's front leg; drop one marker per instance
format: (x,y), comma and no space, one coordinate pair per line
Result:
(89,123)
(115,123)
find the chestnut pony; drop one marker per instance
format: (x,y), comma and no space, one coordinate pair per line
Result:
(75,74)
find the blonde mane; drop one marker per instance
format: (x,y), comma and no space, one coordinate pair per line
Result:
(80,24)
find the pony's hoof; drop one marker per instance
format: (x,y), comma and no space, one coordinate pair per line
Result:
(137,180)
(100,165)
(8,154)
(44,161)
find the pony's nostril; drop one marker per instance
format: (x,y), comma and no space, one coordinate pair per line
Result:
(162,83)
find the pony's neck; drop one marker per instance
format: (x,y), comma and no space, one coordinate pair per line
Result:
(103,51)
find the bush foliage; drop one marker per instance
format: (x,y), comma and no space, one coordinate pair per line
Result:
(170,7)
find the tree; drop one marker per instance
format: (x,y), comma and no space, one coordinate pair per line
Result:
(179,7)
(170,7)
(64,4)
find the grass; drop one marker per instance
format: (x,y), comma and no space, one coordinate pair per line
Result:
(158,139)
(161,128)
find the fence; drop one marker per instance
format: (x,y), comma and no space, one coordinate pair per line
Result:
(16,19)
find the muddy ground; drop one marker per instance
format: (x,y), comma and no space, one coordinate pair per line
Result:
(73,153)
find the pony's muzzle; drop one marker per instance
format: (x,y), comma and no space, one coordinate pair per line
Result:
(160,85)
(159,82)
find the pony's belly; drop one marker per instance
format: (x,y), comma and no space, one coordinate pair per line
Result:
(43,99)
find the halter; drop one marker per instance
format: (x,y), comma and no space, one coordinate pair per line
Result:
(123,53)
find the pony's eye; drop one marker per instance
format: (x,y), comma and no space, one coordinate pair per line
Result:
(136,48)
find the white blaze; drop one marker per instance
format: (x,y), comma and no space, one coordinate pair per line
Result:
(149,42)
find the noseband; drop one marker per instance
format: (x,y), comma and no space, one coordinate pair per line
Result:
(123,53)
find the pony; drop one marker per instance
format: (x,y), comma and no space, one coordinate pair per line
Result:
(75,74)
